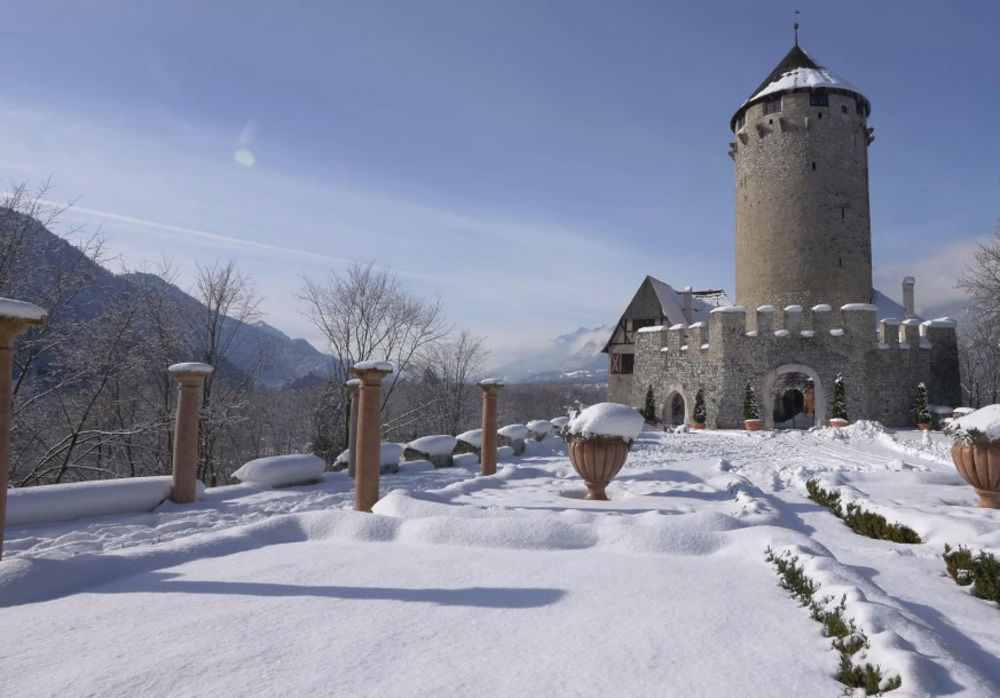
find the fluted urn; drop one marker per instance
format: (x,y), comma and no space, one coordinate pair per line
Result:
(597,460)
(979,463)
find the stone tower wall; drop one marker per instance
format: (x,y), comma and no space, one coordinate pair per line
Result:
(803,231)
(881,370)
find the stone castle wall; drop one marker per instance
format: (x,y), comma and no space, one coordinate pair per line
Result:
(881,370)
(803,230)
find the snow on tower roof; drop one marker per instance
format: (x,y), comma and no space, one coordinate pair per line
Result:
(798,71)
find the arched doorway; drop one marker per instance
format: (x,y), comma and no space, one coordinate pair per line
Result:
(793,398)
(675,409)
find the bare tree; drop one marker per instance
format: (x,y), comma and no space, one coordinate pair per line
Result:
(230,299)
(979,350)
(366,314)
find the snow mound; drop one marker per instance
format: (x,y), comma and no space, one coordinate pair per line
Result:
(75,500)
(440,445)
(473,438)
(513,431)
(607,419)
(391,454)
(559,422)
(280,471)
(467,460)
(985,420)
(540,426)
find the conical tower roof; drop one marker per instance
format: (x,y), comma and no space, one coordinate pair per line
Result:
(798,71)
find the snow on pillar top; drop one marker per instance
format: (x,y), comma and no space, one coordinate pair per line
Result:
(28,313)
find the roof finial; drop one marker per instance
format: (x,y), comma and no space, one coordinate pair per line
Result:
(797,27)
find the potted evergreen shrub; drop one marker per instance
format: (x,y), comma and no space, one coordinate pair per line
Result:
(700,414)
(751,414)
(976,452)
(649,410)
(838,415)
(920,411)
(599,438)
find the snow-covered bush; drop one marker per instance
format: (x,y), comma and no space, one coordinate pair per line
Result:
(282,471)
(649,409)
(469,442)
(606,419)
(839,410)
(437,449)
(389,457)
(538,429)
(920,412)
(512,436)
(750,410)
(700,414)
(559,424)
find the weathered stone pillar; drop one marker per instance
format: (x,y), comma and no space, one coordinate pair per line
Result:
(191,377)
(488,447)
(15,319)
(354,385)
(369,436)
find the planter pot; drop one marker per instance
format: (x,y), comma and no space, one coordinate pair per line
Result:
(699,425)
(753,424)
(839,423)
(924,426)
(979,464)
(597,460)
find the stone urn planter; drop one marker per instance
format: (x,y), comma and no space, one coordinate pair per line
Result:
(698,425)
(924,426)
(598,440)
(979,463)
(753,424)
(598,459)
(838,423)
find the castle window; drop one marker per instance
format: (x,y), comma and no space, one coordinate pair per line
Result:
(859,108)
(821,115)
(814,165)
(819,98)
(843,108)
(643,322)
(622,364)
(772,106)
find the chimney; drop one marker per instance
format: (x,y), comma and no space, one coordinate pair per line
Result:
(688,317)
(908,312)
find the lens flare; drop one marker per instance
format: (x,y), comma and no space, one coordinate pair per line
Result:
(244,157)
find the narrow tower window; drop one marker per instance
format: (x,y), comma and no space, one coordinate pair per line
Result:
(772,106)
(819,98)
(814,165)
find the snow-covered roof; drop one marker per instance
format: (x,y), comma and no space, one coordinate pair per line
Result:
(798,71)
(672,305)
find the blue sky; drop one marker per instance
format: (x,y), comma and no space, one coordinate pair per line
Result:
(527,161)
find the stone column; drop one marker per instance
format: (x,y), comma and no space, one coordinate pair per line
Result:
(15,319)
(191,377)
(354,385)
(369,436)
(488,447)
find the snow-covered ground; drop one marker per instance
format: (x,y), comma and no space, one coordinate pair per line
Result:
(514,584)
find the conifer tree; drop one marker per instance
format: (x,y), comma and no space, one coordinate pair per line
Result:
(839,401)
(649,411)
(750,410)
(920,410)
(700,413)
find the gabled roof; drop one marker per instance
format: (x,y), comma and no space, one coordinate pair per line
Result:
(798,71)
(672,304)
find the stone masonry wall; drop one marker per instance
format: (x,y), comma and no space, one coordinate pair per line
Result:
(803,230)
(881,371)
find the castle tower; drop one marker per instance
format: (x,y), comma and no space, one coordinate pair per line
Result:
(803,231)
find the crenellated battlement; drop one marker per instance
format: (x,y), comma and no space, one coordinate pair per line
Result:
(883,361)
(854,322)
